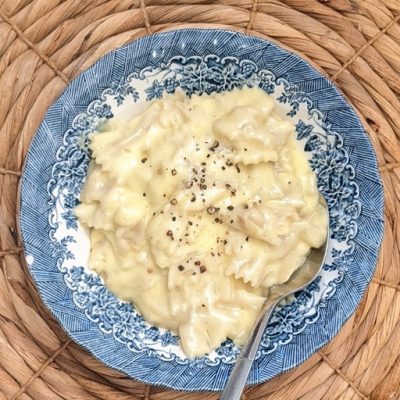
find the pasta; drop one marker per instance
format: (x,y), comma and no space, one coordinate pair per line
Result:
(196,207)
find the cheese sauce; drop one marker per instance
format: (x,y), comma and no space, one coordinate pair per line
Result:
(196,207)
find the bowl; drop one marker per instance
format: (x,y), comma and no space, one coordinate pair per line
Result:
(198,61)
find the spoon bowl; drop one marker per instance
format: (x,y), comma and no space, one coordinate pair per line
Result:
(302,277)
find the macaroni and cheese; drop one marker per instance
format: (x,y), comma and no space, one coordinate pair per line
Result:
(196,207)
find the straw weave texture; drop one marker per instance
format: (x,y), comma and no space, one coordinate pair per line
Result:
(44,44)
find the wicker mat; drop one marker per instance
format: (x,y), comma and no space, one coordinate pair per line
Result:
(46,43)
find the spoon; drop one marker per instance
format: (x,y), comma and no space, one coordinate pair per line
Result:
(298,281)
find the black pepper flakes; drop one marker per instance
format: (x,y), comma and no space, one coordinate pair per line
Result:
(190,223)
(144,160)
(144,194)
(237,168)
(173,219)
(247,238)
(211,210)
(181,267)
(170,234)
(223,168)
(174,202)
(193,199)
(214,146)
(246,206)
(173,171)
(197,263)
(230,208)
(203,163)
(203,186)
(188,184)
(203,269)
(229,163)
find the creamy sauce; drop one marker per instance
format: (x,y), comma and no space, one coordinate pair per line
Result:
(196,207)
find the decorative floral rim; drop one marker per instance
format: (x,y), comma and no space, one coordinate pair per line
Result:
(207,74)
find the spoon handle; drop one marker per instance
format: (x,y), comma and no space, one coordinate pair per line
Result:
(238,377)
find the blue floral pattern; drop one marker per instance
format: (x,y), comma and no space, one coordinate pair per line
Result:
(193,74)
(120,90)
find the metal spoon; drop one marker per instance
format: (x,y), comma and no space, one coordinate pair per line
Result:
(298,281)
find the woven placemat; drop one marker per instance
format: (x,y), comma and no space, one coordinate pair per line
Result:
(46,43)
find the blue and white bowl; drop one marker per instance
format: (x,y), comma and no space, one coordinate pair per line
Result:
(119,85)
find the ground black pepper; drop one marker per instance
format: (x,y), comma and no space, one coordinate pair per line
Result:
(211,210)
(214,145)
